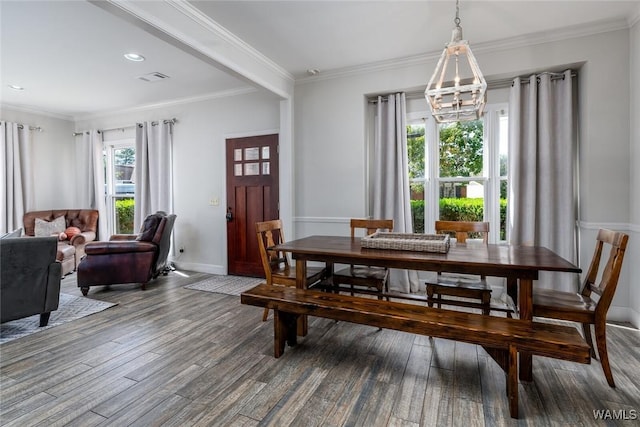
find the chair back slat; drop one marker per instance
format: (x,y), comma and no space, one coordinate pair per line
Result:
(606,287)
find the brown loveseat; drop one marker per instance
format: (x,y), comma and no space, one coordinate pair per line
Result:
(70,251)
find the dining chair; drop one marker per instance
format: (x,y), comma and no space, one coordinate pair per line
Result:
(364,278)
(456,285)
(277,269)
(581,307)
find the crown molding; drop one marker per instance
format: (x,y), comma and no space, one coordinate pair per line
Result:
(169,103)
(33,110)
(533,39)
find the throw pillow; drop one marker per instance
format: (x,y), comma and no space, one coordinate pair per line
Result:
(72,231)
(45,228)
(15,233)
(149,226)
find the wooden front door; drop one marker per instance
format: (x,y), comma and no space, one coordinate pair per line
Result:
(252,196)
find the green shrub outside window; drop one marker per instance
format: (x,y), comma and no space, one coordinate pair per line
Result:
(124,216)
(457,210)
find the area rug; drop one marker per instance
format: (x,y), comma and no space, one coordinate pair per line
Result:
(70,308)
(228,285)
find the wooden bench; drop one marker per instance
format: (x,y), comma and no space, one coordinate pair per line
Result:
(503,338)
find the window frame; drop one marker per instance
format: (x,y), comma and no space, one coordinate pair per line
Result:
(110,195)
(491,178)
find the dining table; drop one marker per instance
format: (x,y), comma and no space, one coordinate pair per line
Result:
(520,265)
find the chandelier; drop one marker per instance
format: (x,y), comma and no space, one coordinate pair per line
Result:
(457,89)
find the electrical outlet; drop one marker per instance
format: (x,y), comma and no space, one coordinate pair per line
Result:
(181,249)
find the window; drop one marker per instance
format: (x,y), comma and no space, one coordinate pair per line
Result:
(458,171)
(120,159)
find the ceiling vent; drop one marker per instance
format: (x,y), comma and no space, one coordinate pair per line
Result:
(153,77)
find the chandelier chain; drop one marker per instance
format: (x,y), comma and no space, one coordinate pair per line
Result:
(457,20)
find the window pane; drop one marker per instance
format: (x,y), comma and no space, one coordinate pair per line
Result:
(124,215)
(252,169)
(120,185)
(417,161)
(503,210)
(123,163)
(504,158)
(252,153)
(416,151)
(461,201)
(503,143)
(417,206)
(461,149)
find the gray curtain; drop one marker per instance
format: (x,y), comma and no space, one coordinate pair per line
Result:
(91,181)
(542,167)
(391,195)
(16,174)
(154,182)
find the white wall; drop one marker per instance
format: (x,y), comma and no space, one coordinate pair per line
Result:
(199,166)
(53,159)
(633,254)
(330,134)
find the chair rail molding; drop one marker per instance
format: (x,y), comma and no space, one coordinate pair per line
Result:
(322,219)
(620,226)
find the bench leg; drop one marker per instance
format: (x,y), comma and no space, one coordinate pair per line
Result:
(284,331)
(512,381)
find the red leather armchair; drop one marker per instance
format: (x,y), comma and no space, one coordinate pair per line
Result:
(128,258)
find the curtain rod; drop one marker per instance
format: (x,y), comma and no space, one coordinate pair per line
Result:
(495,84)
(172,121)
(38,128)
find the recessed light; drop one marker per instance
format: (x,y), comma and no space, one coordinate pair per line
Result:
(134,57)
(16,87)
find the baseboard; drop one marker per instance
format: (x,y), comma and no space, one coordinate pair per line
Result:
(624,314)
(634,317)
(200,268)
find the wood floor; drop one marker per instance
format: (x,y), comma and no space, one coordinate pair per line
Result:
(176,357)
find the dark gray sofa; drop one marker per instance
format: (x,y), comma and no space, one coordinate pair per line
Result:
(30,278)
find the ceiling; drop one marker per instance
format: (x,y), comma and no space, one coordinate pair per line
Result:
(68,55)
